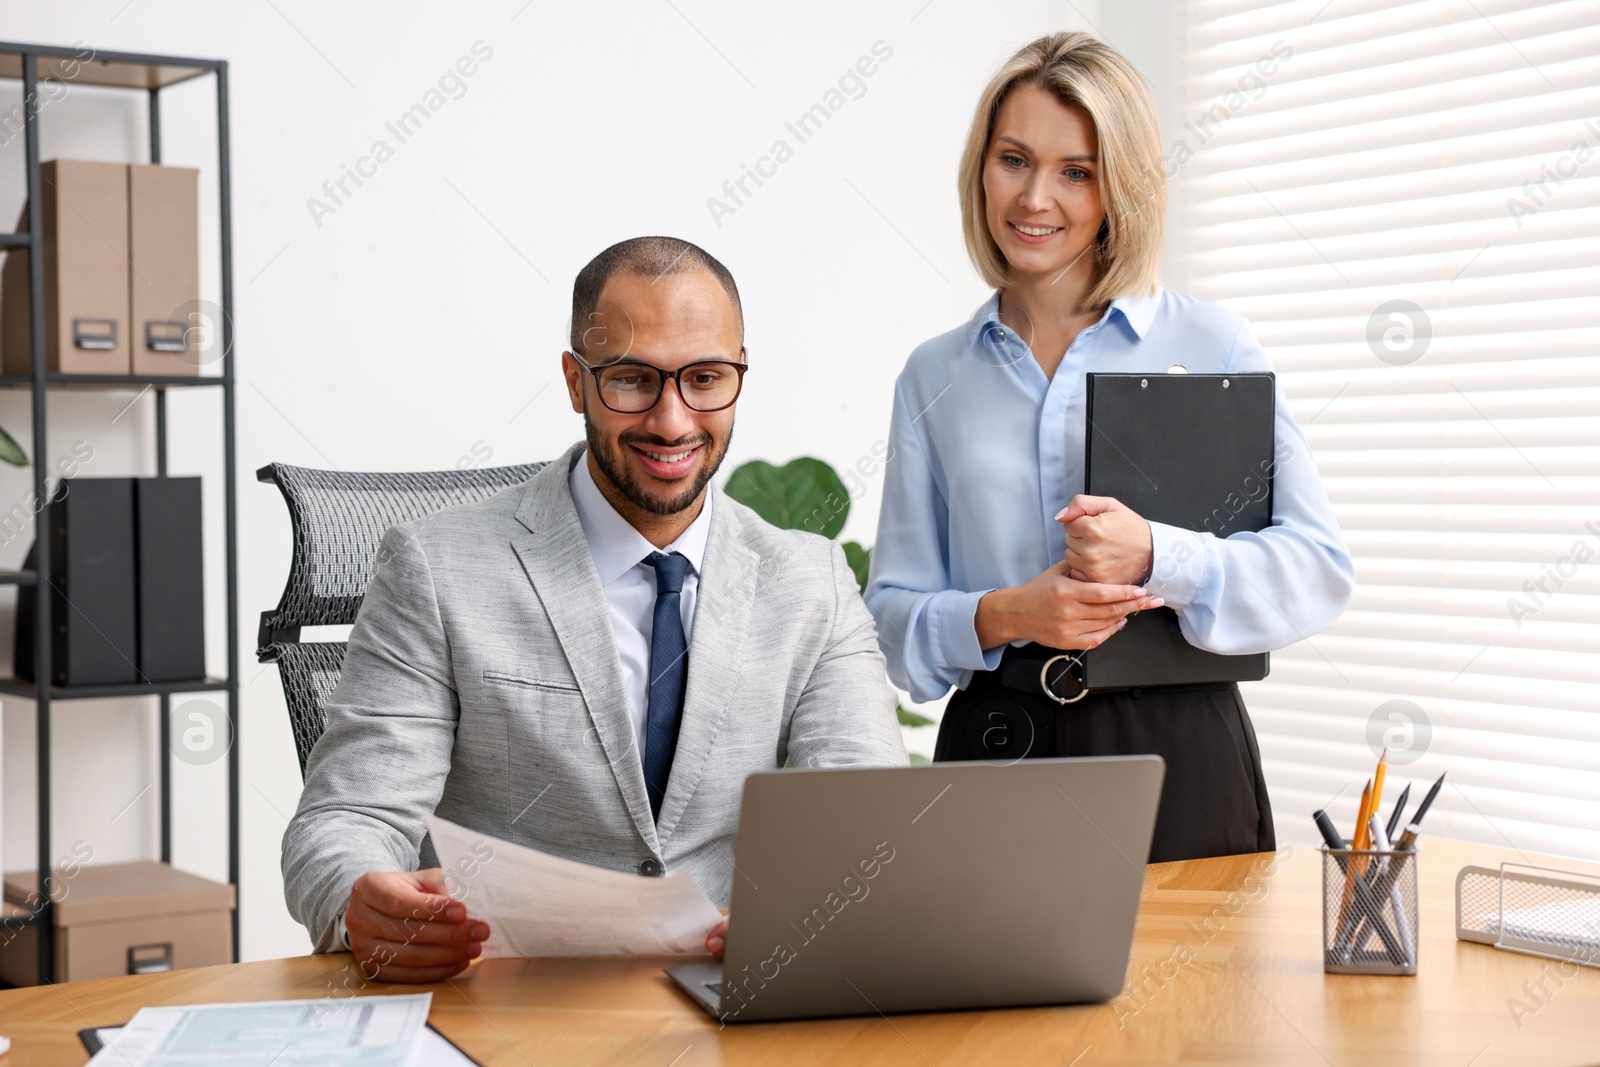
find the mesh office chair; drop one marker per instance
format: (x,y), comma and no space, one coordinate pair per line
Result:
(339,520)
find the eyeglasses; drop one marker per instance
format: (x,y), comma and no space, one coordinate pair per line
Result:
(630,387)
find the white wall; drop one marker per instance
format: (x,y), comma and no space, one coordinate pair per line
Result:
(1149,34)
(421,321)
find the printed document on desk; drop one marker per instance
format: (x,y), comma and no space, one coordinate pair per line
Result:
(359,1031)
(539,905)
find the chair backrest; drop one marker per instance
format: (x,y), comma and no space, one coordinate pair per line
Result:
(309,672)
(338,520)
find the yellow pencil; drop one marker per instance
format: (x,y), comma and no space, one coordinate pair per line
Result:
(1362,838)
(1355,868)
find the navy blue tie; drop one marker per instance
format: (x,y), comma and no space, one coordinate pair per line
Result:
(669,668)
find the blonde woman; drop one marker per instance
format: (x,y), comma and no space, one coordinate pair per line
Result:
(988,557)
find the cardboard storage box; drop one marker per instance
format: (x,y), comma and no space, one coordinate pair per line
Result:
(85,209)
(164,284)
(122,918)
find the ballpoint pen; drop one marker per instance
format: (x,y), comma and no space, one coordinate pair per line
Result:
(1406,844)
(1384,888)
(1330,833)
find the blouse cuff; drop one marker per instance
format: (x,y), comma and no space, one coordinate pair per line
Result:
(1179,567)
(952,619)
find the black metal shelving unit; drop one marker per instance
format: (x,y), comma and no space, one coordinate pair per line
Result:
(148,74)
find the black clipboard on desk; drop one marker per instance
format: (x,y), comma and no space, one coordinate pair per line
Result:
(1189,450)
(436,1050)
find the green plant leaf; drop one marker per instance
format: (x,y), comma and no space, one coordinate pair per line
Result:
(911,718)
(803,494)
(859,559)
(11,452)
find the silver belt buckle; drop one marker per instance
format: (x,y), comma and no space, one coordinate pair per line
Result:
(1044,678)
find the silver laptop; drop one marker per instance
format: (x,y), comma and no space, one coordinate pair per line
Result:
(955,885)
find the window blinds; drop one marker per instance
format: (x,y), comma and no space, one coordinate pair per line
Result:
(1404,199)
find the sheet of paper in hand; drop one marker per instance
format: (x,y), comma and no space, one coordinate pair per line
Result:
(539,905)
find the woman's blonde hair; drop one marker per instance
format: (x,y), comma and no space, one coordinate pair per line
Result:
(1077,68)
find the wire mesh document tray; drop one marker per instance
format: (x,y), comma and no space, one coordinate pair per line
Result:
(1538,910)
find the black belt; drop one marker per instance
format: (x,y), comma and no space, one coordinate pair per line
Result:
(1036,669)
(1042,671)
(1039,670)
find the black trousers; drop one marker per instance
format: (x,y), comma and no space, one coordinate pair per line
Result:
(1213,799)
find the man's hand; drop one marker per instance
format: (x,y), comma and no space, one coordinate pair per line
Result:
(405,928)
(1106,541)
(1057,610)
(717,938)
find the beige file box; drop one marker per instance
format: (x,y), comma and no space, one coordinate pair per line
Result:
(85,209)
(120,918)
(164,282)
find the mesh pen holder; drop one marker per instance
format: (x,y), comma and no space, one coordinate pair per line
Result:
(1369,911)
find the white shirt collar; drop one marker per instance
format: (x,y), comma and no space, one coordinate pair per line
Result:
(613,542)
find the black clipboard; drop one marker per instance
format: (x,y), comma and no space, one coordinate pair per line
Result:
(1188,450)
(92,1041)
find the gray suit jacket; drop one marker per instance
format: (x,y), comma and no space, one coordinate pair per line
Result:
(482,682)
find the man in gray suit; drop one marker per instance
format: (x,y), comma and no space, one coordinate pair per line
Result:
(589,664)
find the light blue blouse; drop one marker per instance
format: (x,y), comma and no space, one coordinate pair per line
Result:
(984,450)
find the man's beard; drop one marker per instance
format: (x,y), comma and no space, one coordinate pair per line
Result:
(621,474)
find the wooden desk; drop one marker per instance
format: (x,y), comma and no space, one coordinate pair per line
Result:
(1226,969)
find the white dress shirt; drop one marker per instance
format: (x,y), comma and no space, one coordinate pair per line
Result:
(630,584)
